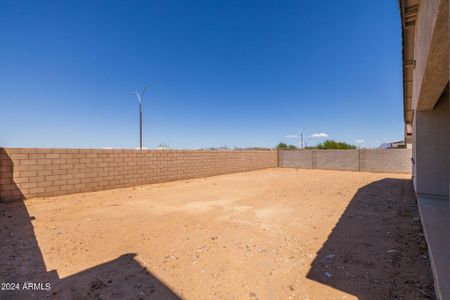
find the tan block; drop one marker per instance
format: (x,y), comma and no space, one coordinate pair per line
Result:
(19,180)
(27,150)
(50,167)
(73,181)
(59,172)
(80,186)
(91,175)
(72,151)
(52,189)
(43,150)
(73,161)
(65,166)
(52,155)
(36,179)
(16,156)
(45,183)
(37,190)
(58,161)
(44,172)
(27,174)
(102,174)
(52,177)
(26,162)
(59,182)
(32,168)
(44,161)
(66,176)
(44,194)
(67,187)
(27,185)
(86,151)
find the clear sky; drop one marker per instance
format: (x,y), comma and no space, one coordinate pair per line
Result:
(236,73)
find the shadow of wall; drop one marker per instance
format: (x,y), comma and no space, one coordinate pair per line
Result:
(122,278)
(376,245)
(21,262)
(9,189)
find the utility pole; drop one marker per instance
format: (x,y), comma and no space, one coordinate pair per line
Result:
(140,97)
(301,140)
(140,125)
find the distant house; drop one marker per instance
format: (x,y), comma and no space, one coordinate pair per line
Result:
(393,145)
(163,147)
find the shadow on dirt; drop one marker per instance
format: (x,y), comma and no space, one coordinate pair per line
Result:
(377,249)
(22,263)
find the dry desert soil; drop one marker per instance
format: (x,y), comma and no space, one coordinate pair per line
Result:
(268,234)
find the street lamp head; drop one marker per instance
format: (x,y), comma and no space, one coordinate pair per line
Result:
(145,88)
(141,95)
(138,96)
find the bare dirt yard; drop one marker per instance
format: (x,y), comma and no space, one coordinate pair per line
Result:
(269,234)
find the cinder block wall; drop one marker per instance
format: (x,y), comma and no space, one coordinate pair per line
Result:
(346,160)
(33,172)
(389,161)
(296,159)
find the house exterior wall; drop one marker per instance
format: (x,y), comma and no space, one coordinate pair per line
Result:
(426,73)
(431,149)
(431,54)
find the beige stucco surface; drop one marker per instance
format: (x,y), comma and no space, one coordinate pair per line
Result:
(432,148)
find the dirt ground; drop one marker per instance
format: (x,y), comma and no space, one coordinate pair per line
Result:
(269,234)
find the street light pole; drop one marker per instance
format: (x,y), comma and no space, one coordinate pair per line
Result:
(140,97)
(140,125)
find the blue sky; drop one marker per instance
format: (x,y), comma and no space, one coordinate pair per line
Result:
(236,73)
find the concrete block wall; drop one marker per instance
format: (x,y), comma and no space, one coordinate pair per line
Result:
(34,172)
(346,160)
(296,159)
(389,161)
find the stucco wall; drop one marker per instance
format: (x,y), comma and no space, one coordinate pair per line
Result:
(390,161)
(430,74)
(31,172)
(431,148)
